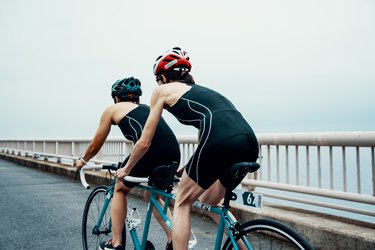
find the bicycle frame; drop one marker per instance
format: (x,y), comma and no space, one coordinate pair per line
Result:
(226,222)
(153,203)
(235,230)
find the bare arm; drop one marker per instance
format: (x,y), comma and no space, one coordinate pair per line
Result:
(143,144)
(98,139)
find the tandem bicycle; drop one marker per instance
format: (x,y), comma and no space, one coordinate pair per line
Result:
(255,234)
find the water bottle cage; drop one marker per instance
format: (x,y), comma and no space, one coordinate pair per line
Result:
(133,218)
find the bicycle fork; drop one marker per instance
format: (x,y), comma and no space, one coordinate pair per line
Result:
(96,230)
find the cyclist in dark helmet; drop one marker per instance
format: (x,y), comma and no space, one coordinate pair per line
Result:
(130,116)
(225,137)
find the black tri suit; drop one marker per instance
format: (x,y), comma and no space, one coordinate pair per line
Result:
(225,136)
(164,148)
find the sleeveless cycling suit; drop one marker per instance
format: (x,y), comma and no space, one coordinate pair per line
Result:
(225,137)
(164,148)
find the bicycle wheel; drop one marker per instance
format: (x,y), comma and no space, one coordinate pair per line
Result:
(91,235)
(268,234)
(149,245)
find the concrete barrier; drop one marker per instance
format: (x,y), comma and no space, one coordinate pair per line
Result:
(323,231)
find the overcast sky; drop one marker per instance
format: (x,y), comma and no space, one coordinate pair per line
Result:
(288,66)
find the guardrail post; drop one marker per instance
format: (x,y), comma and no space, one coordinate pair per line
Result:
(44,151)
(252,176)
(57,152)
(373,170)
(34,154)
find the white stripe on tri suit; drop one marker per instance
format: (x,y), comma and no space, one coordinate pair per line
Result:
(135,131)
(202,133)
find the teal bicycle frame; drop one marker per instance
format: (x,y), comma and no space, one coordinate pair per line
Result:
(226,222)
(235,230)
(153,203)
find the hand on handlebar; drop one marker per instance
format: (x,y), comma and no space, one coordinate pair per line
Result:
(79,164)
(121,173)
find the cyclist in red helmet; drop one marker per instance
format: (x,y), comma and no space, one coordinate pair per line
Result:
(225,137)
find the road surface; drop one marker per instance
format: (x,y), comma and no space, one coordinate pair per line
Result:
(40,210)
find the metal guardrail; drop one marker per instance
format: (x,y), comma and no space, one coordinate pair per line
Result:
(297,167)
(337,165)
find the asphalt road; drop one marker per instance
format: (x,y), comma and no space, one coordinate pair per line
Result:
(40,210)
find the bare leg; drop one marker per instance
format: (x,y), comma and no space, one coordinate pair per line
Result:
(188,192)
(118,212)
(213,196)
(159,218)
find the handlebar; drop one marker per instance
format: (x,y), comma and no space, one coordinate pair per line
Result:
(82,174)
(109,167)
(136,179)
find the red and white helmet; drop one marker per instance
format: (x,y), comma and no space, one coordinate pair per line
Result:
(173,58)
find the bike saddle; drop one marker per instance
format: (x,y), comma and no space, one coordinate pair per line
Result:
(162,177)
(238,171)
(242,168)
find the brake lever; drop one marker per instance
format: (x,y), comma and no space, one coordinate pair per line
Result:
(76,176)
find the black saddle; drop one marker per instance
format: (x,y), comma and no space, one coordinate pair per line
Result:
(239,170)
(162,177)
(235,175)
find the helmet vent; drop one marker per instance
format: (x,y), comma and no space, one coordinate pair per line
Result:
(175,57)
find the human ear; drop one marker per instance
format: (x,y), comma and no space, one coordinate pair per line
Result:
(164,79)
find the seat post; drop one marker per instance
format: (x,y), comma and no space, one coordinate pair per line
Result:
(237,172)
(229,194)
(227,197)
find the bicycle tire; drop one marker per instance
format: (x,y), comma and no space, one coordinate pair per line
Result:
(149,245)
(93,207)
(269,234)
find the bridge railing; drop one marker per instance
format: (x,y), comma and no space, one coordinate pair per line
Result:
(332,170)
